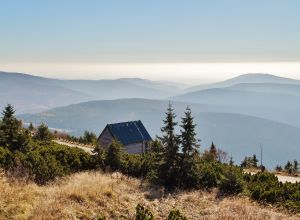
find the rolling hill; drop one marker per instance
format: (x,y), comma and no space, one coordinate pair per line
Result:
(33,94)
(246,78)
(237,134)
(277,102)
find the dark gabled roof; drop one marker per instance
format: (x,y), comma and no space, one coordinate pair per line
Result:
(129,132)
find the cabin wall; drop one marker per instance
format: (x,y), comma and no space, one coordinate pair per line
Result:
(136,148)
(105,139)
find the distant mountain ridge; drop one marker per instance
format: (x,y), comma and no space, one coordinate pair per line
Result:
(33,93)
(246,78)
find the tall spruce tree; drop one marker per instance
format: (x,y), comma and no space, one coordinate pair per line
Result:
(12,135)
(169,168)
(190,148)
(189,142)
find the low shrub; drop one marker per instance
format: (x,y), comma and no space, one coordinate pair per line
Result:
(176,215)
(143,213)
(232,181)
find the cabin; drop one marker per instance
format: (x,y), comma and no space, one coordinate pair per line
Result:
(132,135)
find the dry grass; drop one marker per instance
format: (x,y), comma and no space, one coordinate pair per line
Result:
(86,195)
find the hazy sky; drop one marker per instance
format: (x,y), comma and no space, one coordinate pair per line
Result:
(188,39)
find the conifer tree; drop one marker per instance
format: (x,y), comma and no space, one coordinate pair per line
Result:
(30,127)
(295,166)
(254,161)
(190,144)
(190,149)
(170,141)
(43,134)
(12,135)
(114,155)
(289,167)
(213,151)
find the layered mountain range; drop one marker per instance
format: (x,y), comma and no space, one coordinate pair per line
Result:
(239,115)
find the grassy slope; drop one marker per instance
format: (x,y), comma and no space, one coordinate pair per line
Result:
(85,195)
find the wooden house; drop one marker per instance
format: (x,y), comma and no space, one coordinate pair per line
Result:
(132,135)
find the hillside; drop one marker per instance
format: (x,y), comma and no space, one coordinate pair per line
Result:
(31,94)
(281,103)
(237,134)
(246,78)
(272,88)
(91,194)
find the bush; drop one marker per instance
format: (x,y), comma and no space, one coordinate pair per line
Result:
(265,187)
(132,165)
(176,215)
(143,214)
(6,158)
(114,155)
(209,174)
(45,162)
(232,181)
(43,134)
(44,167)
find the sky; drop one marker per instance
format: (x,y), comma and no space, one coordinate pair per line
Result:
(183,40)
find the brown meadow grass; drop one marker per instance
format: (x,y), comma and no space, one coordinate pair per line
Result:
(86,195)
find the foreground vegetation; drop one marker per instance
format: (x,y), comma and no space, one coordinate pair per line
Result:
(91,195)
(172,163)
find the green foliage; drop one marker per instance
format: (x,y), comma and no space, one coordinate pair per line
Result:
(169,169)
(209,174)
(6,158)
(265,187)
(43,134)
(278,168)
(291,167)
(188,174)
(99,157)
(101,217)
(176,215)
(114,156)
(211,154)
(88,138)
(12,135)
(250,162)
(45,162)
(143,213)
(132,165)
(232,181)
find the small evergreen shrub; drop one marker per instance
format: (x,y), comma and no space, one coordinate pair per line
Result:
(232,181)
(143,213)
(176,215)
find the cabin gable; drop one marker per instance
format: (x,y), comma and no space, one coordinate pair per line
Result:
(105,138)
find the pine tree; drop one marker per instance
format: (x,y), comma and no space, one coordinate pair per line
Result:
(213,151)
(12,135)
(31,127)
(289,167)
(114,155)
(190,149)
(295,166)
(170,141)
(43,134)
(254,161)
(190,144)
(231,162)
